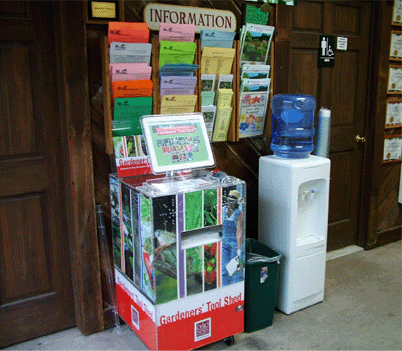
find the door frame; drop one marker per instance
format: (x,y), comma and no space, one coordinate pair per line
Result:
(374,126)
(70,40)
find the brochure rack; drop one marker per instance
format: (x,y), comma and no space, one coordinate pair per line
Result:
(233,134)
(178,248)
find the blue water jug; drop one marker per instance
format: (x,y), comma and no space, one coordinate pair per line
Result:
(292,125)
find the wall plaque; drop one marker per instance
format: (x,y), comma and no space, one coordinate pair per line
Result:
(202,18)
(104,11)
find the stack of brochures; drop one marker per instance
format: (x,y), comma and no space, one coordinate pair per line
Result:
(217,59)
(253,99)
(177,32)
(130,75)
(177,86)
(216,39)
(255,44)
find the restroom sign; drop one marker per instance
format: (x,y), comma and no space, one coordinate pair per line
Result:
(326,51)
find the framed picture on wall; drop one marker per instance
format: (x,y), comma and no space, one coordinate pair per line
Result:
(395,79)
(395,52)
(392,148)
(397,13)
(393,117)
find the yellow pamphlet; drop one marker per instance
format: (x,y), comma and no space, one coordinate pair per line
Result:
(217,60)
(178,104)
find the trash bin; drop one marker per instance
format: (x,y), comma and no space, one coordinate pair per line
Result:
(261,278)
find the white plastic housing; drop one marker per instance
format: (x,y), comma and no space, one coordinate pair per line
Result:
(293,219)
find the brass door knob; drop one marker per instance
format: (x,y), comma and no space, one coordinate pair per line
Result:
(360,139)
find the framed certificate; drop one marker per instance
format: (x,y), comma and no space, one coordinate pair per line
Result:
(393,117)
(395,53)
(104,11)
(392,148)
(177,142)
(395,79)
(397,13)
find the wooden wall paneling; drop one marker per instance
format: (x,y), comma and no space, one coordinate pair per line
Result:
(74,94)
(282,46)
(377,180)
(371,166)
(389,209)
(133,10)
(103,163)
(156,103)
(233,133)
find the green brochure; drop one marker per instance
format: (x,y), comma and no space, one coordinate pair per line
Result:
(176,52)
(132,109)
(207,98)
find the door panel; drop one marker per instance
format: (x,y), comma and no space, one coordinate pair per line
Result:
(30,275)
(17,141)
(343,89)
(35,277)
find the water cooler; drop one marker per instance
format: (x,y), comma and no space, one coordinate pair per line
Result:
(293,204)
(293,219)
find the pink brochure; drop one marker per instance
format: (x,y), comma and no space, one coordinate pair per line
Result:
(176,32)
(129,68)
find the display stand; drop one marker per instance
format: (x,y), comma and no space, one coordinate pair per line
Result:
(174,244)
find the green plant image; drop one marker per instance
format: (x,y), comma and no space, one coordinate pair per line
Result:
(166,288)
(117,251)
(225,85)
(255,47)
(194,270)
(135,198)
(206,85)
(118,146)
(115,212)
(210,207)
(193,210)
(259,88)
(128,232)
(165,264)
(147,245)
(131,152)
(145,209)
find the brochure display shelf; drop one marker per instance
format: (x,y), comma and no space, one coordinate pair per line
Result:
(171,247)
(233,133)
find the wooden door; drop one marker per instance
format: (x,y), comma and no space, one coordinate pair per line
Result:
(344,89)
(35,277)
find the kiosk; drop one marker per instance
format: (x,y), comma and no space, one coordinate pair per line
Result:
(178,241)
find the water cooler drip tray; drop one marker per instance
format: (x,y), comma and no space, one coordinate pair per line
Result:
(309,245)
